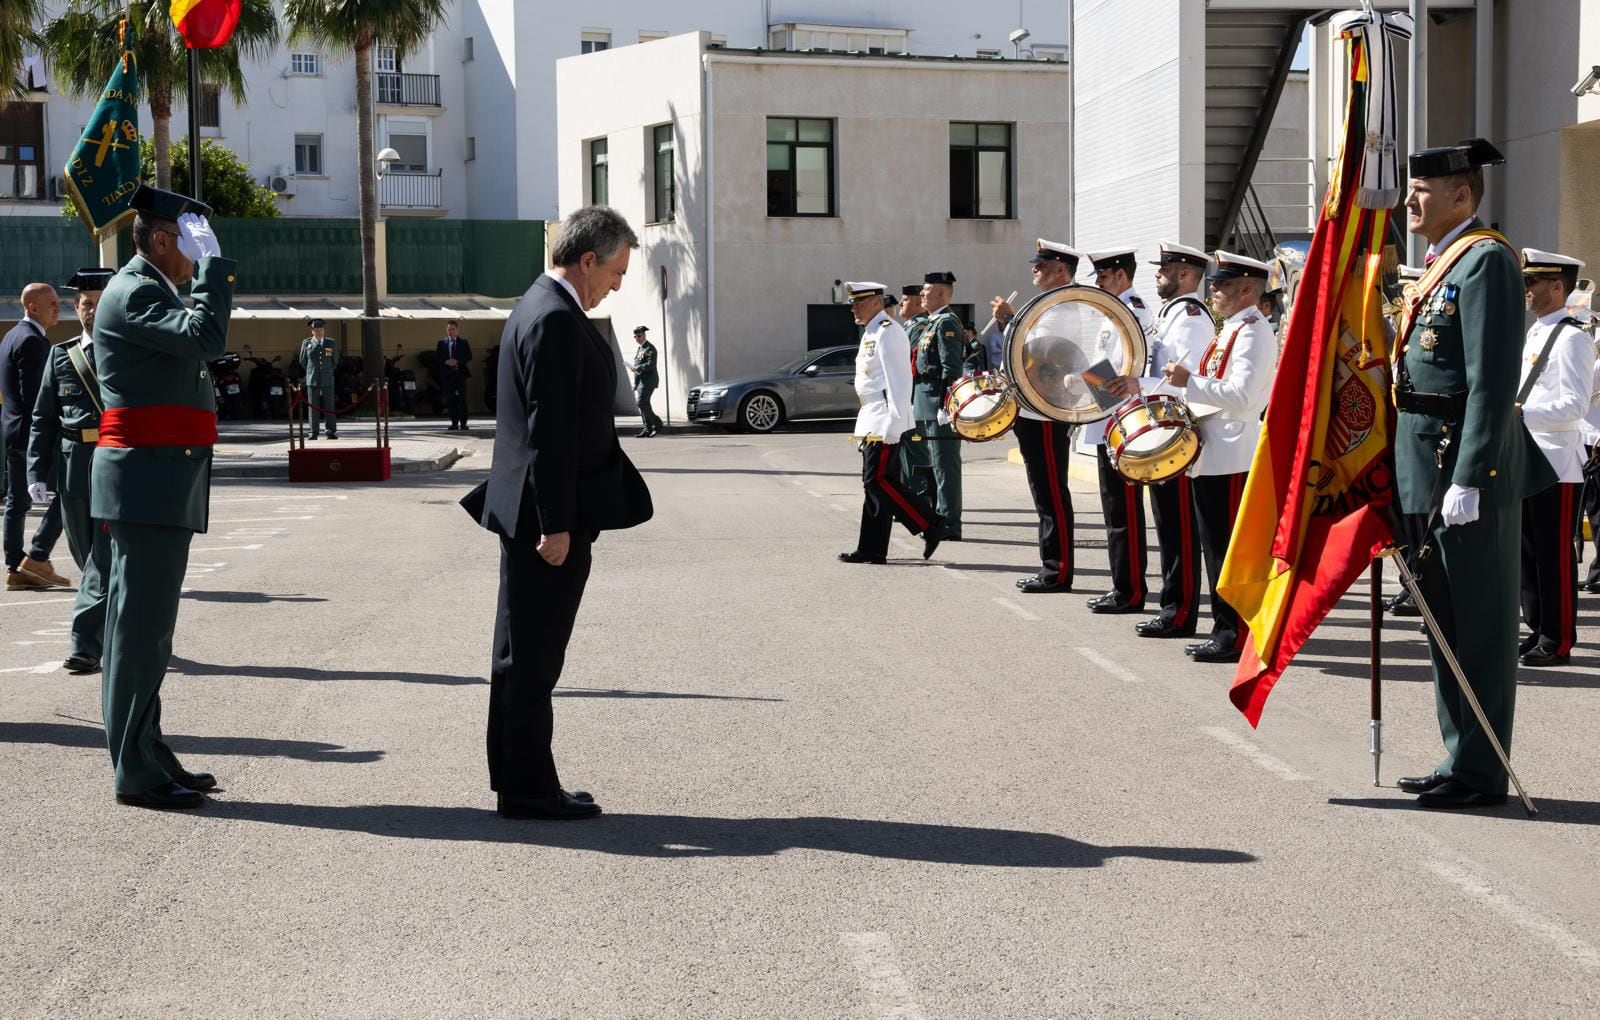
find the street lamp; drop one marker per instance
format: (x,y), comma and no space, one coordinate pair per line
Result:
(1017,39)
(386,157)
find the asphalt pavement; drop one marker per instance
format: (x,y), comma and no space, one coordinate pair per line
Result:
(830,790)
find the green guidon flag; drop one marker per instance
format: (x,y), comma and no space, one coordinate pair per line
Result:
(103,170)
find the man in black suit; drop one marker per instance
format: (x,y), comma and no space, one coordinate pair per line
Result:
(23,354)
(558,479)
(453,355)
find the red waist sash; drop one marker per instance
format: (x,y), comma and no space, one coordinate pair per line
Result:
(161,425)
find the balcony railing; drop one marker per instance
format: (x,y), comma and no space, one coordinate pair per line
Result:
(409,190)
(407,89)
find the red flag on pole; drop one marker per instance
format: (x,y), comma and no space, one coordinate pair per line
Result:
(205,24)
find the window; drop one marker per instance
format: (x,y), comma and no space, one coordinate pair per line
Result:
(466,49)
(472,148)
(387,60)
(651,36)
(666,192)
(305,63)
(799,167)
(22,150)
(413,150)
(836,362)
(599,172)
(210,106)
(980,171)
(594,42)
(308,155)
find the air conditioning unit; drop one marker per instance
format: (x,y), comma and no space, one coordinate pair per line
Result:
(282,183)
(58,187)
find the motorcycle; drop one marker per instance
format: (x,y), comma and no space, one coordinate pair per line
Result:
(229,386)
(268,388)
(402,383)
(349,380)
(429,397)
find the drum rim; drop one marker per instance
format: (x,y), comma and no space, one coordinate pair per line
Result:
(1103,301)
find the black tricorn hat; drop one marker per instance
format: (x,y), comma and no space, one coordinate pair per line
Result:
(947,278)
(911,288)
(1444,160)
(166,205)
(93,278)
(640,329)
(316,324)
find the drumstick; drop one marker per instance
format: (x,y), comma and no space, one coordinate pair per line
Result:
(990,324)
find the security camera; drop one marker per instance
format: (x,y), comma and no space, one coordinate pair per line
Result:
(1022,33)
(1589,82)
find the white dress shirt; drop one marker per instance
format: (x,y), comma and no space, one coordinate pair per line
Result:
(1556,405)
(1233,372)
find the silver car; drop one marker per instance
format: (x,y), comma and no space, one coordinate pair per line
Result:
(818,384)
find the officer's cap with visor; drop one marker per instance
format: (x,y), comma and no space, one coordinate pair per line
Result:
(856,291)
(1055,251)
(1231,267)
(1171,251)
(1536,263)
(1117,258)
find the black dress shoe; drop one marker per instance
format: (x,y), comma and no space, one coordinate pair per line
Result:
(1452,795)
(930,542)
(1159,628)
(561,808)
(1592,587)
(1214,651)
(583,795)
(77,662)
(1527,645)
(1036,585)
(1538,656)
(642,434)
(950,536)
(1420,784)
(1404,608)
(167,795)
(856,556)
(195,780)
(1111,607)
(1109,596)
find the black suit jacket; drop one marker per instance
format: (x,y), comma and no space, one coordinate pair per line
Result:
(557,463)
(441,354)
(23,354)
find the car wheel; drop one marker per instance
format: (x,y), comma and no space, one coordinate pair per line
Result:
(760,412)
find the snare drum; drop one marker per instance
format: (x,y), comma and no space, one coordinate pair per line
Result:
(981,406)
(1152,438)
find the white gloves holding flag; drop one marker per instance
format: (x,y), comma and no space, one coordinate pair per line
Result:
(195,239)
(37,493)
(1460,506)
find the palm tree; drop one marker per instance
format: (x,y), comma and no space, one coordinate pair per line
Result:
(355,26)
(17,20)
(81,47)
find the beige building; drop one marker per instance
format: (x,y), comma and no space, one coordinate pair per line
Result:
(760,178)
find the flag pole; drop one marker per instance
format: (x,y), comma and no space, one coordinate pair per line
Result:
(195,189)
(1375,691)
(1410,581)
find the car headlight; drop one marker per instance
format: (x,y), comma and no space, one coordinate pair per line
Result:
(714,391)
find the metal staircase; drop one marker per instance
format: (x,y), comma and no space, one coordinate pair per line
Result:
(1248,54)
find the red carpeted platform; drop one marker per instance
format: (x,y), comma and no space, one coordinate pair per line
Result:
(339,464)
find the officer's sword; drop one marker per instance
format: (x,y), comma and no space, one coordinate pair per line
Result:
(1410,581)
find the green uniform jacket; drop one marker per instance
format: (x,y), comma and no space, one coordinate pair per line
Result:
(151,350)
(644,367)
(319,359)
(1473,323)
(66,400)
(936,364)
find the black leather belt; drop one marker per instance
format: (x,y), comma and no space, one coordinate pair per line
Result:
(81,435)
(1449,406)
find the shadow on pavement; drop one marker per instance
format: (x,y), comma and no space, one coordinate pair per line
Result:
(187,667)
(66,735)
(247,597)
(677,836)
(1569,812)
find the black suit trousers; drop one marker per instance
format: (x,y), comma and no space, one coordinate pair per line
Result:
(1172,506)
(1216,504)
(1550,566)
(533,623)
(886,499)
(1045,446)
(1123,507)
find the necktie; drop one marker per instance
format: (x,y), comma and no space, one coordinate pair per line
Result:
(1427,260)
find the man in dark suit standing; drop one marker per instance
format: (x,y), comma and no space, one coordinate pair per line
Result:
(558,479)
(453,356)
(23,354)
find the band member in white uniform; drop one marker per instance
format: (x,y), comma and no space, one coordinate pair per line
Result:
(1557,383)
(1234,372)
(883,383)
(1046,444)
(1120,501)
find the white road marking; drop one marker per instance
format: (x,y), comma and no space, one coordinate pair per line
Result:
(213,566)
(43,667)
(259,520)
(841,508)
(46,641)
(35,602)
(814,492)
(1569,945)
(1023,613)
(299,509)
(888,993)
(1116,669)
(54,632)
(1276,766)
(227,548)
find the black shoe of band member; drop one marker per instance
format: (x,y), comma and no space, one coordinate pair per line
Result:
(1539,657)
(164,797)
(1111,607)
(930,541)
(1404,608)
(1159,628)
(860,557)
(1212,651)
(1420,784)
(1452,795)
(78,663)
(1109,596)
(642,434)
(564,807)
(1038,585)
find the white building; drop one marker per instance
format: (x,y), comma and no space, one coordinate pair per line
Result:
(762,178)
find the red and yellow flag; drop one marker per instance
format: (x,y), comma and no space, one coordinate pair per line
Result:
(205,24)
(1316,507)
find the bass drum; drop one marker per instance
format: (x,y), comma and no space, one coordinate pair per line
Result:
(1056,337)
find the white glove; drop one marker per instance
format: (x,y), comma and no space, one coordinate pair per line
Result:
(943,417)
(37,493)
(195,239)
(1460,506)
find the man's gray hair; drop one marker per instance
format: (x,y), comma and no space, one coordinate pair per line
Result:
(597,228)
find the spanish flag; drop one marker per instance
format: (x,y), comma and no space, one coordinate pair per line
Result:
(205,24)
(1315,510)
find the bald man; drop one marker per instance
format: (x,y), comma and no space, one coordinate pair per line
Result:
(23,354)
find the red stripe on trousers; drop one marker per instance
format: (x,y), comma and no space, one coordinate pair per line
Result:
(1186,522)
(1065,554)
(1564,530)
(1135,539)
(893,492)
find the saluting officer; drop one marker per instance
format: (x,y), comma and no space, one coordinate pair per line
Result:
(61,445)
(883,383)
(152,472)
(1233,372)
(1046,444)
(1120,501)
(319,356)
(938,364)
(1464,461)
(1184,328)
(1557,382)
